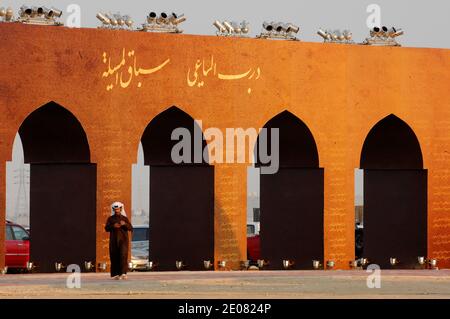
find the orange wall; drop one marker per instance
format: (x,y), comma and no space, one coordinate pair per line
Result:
(339,91)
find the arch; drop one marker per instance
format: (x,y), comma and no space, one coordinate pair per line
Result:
(52,134)
(297,145)
(291,200)
(156,139)
(181,218)
(391,144)
(395,195)
(62,188)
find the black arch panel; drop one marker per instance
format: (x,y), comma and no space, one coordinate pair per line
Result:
(181,195)
(52,134)
(157,142)
(395,195)
(292,217)
(395,216)
(181,215)
(297,146)
(391,144)
(63,214)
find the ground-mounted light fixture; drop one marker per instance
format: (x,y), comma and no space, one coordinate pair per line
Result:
(4,270)
(6,15)
(102,266)
(115,21)
(433,263)
(59,266)
(88,266)
(336,36)
(232,29)
(40,16)
(180,265)
(279,30)
(330,264)
(421,260)
(393,261)
(382,36)
(222,264)
(151,265)
(30,266)
(245,264)
(287,264)
(261,263)
(316,264)
(207,264)
(164,23)
(363,262)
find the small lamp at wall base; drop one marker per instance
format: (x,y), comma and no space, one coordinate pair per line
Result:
(207,264)
(30,266)
(180,265)
(261,263)
(421,260)
(354,264)
(245,264)
(393,261)
(364,262)
(151,265)
(330,264)
(316,264)
(433,264)
(88,266)
(102,267)
(222,264)
(59,266)
(287,264)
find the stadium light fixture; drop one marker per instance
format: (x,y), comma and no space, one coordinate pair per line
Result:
(336,36)
(39,15)
(232,29)
(164,23)
(279,30)
(382,36)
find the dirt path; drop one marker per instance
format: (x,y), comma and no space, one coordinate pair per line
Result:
(235,284)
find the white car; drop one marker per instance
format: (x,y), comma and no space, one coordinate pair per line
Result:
(140,247)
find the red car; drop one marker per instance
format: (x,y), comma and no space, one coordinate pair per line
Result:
(253,248)
(17,246)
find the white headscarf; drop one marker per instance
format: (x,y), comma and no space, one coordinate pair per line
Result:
(115,204)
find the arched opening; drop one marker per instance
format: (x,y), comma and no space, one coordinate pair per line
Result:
(62,189)
(291,200)
(253,215)
(181,218)
(395,196)
(18,186)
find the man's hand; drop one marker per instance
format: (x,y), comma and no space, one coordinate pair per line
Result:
(116,225)
(122,223)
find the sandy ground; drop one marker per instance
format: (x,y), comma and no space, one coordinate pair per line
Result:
(232,284)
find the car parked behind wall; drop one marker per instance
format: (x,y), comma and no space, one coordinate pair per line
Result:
(140,247)
(17,246)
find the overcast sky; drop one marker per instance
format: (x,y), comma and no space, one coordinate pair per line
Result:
(426,23)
